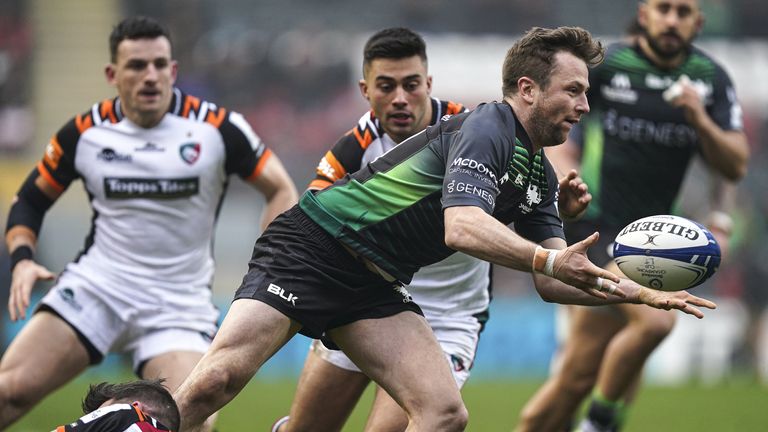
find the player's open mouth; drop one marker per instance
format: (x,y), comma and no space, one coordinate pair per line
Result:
(149,94)
(400,118)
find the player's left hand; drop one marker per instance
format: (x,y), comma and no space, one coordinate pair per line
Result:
(681,300)
(574,196)
(690,101)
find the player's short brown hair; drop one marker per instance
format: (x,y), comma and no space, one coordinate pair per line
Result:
(533,55)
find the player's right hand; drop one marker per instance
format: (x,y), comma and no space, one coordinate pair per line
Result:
(572,266)
(25,274)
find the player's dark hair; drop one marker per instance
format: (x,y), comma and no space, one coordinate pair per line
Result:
(139,27)
(154,397)
(533,55)
(393,43)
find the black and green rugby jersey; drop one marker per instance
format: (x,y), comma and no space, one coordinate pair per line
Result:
(391,211)
(637,147)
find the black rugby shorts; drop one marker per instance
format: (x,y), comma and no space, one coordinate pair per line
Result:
(601,253)
(303,272)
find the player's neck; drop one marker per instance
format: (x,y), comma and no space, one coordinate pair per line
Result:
(523,115)
(146,121)
(659,61)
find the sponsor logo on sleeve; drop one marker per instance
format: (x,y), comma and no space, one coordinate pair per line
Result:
(128,188)
(468,188)
(474,168)
(53,154)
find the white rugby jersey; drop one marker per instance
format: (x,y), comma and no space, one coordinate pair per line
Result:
(458,286)
(155,193)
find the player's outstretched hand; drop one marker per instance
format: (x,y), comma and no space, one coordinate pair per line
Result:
(574,196)
(681,300)
(25,274)
(572,267)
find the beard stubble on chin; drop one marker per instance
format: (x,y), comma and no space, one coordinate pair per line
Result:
(663,53)
(544,133)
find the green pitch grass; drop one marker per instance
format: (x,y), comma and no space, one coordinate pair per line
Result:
(740,405)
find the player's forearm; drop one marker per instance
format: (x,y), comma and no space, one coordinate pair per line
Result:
(725,151)
(553,291)
(472,231)
(20,235)
(283,199)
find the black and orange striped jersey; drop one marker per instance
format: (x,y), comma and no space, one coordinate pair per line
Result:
(114,418)
(155,193)
(245,152)
(366,141)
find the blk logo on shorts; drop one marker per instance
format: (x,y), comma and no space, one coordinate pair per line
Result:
(276,290)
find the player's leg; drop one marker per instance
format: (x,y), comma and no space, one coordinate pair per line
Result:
(171,355)
(386,415)
(458,338)
(554,405)
(250,334)
(623,362)
(329,387)
(45,355)
(401,354)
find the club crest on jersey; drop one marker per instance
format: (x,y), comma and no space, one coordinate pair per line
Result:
(190,152)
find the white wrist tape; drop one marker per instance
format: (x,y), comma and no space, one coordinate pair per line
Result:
(544,261)
(549,267)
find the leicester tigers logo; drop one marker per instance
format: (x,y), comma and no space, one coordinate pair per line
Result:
(190,152)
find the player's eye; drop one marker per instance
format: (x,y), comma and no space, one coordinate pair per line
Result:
(683,12)
(161,63)
(136,65)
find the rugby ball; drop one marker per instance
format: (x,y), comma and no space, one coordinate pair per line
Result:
(668,253)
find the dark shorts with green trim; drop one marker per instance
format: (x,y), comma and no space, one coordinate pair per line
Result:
(300,270)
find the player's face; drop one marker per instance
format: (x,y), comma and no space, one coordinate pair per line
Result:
(669,26)
(398,91)
(143,74)
(559,106)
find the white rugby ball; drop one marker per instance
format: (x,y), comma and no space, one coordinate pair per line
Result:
(668,253)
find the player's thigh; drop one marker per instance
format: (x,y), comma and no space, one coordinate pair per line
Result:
(654,323)
(386,415)
(250,334)
(173,367)
(590,331)
(326,393)
(46,354)
(401,354)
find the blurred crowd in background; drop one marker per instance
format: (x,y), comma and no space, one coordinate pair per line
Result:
(291,67)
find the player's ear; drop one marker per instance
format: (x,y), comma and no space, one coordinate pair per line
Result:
(699,22)
(526,87)
(364,89)
(109,72)
(174,70)
(429,84)
(642,14)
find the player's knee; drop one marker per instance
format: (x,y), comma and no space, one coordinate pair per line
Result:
(455,417)
(576,382)
(529,416)
(443,415)
(18,398)
(658,327)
